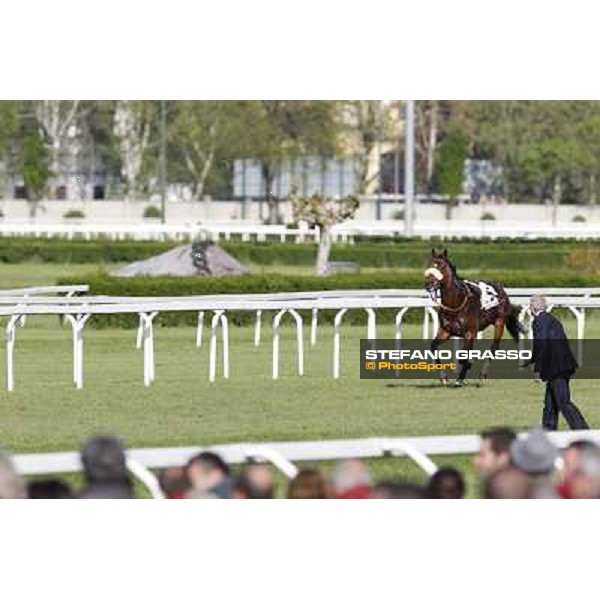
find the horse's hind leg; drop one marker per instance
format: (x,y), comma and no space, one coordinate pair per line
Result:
(442,336)
(498,333)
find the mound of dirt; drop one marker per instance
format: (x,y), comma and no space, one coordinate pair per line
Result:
(200,258)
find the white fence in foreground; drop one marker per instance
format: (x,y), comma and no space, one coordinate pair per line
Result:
(283,455)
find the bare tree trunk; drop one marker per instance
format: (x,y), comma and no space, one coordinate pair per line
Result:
(592,184)
(432,144)
(324,250)
(272,202)
(556,198)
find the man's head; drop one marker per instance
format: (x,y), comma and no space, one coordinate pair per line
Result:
(207,472)
(571,456)
(446,484)
(174,483)
(494,451)
(534,453)
(11,484)
(537,304)
(308,484)
(255,483)
(351,479)
(507,484)
(103,458)
(584,482)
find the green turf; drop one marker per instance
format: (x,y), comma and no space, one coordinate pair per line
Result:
(45,412)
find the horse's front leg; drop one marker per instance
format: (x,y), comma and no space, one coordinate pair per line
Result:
(441,336)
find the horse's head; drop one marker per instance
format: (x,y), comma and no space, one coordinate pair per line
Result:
(437,274)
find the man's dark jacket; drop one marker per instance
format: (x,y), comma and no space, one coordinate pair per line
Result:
(552,354)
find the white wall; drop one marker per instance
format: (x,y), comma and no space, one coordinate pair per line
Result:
(116,211)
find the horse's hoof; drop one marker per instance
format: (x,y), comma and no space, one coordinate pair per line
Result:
(459,383)
(444,381)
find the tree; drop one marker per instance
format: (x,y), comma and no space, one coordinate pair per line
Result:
(450,168)
(279,130)
(132,125)
(56,117)
(324,212)
(202,133)
(9,128)
(34,166)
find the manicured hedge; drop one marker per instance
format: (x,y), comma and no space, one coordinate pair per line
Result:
(17,250)
(248,284)
(412,254)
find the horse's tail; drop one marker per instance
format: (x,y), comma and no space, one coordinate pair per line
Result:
(512,323)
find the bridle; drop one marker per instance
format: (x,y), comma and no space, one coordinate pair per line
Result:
(436,295)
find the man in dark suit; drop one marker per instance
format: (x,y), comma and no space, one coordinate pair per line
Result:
(553,360)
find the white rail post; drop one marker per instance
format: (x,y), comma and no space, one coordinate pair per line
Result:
(225,338)
(371,324)
(399,316)
(337,323)
(212,367)
(313,326)
(257,327)
(199,329)
(435,321)
(10,345)
(276,322)
(299,340)
(148,339)
(395,447)
(77,323)
(146,476)
(425,324)
(580,316)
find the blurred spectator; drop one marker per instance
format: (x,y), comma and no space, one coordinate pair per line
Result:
(584,481)
(536,455)
(49,489)
(105,469)
(494,451)
(209,477)
(174,483)
(351,480)
(446,484)
(308,484)
(255,483)
(508,483)
(391,490)
(571,456)
(12,485)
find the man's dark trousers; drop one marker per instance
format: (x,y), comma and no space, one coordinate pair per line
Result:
(558,399)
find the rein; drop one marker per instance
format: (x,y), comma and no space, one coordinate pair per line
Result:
(459,308)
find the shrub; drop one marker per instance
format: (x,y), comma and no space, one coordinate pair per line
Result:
(579,219)
(398,215)
(488,216)
(74,213)
(587,261)
(152,212)
(254,284)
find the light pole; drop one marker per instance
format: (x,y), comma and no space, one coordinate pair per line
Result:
(163,160)
(409,167)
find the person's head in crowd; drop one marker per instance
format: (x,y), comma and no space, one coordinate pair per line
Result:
(534,453)
(255,483)
(584,482)
(446,484)
(49,489)
(494,451)
(105,469)
(209,477)
(537,304)
(174,483)
(351,480)
(308,484)
(509,483)
(397,490)
(12,485)
(571,455)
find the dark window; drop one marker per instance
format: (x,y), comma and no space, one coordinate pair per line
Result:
(61,192)
(20,192)
(99,192)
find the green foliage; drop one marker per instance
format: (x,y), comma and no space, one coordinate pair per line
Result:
(451,163)
(34,164)
(398,215)
(152,212)
(579,219)
(488,216)
(18,250)
(74,213)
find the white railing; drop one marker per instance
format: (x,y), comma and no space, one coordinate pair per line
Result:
(77,311)
(283,455)
(343,232)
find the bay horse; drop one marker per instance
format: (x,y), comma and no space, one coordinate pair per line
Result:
(466,307)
